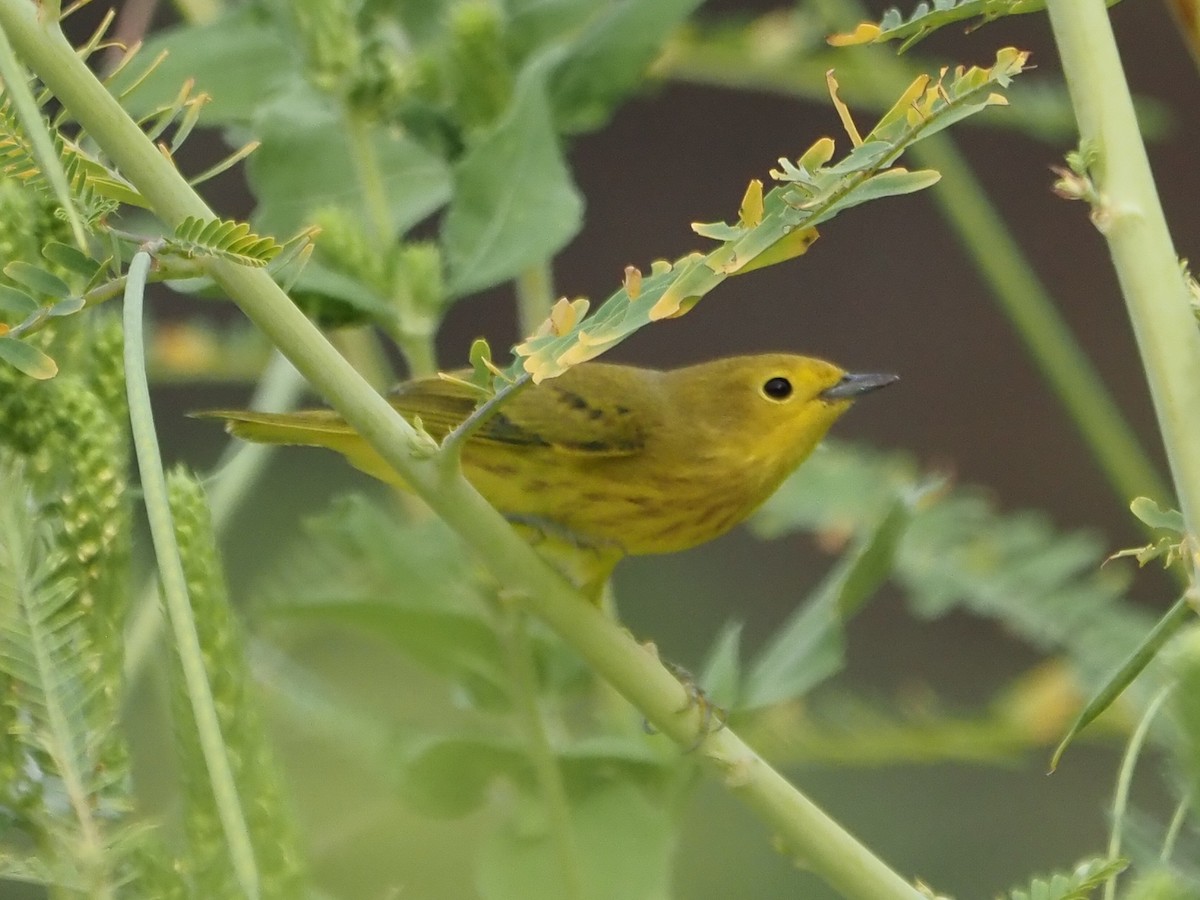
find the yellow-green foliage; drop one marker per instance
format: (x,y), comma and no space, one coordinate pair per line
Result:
(72,434)
(205,865)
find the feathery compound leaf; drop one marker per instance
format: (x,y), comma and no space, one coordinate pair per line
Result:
(66,719)
(927,18)
(225,239)
(1077,884)
(95,189)
(1045,586)
(779,225)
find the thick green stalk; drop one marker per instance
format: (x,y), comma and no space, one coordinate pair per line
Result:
(807,832)
(279,389)
(175,592)
(1131,218)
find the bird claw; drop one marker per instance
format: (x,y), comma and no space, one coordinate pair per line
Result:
(713,718)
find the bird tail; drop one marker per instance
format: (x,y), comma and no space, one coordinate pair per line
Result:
(308,428)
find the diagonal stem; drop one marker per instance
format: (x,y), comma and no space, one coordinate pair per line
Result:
(827,849)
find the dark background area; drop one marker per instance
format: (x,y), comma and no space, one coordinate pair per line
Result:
(886,288)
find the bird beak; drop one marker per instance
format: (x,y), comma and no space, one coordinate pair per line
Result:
(854,385)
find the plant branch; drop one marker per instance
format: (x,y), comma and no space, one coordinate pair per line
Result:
(175,591)
(243,463)
(1131,218)
(453,443)
(826,848)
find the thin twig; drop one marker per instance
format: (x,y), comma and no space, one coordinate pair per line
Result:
(453,444)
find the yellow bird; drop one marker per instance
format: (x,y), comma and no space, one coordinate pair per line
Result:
(612,460)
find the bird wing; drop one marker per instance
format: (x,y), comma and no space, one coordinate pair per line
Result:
(555,414)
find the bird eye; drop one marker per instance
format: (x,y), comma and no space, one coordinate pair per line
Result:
(778,388)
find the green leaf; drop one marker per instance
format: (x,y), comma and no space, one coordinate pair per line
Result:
(224,239)
(449,776)
(720,678)
(1156,516)
(1078,884)
(1145,653)
(16,304)
(37,279)
(49,662)
(71,258)
(409,583)
(67,307)
(27,358)
(628,758)
(624,841)
(608,60)
(892,183)
(514,202)
(291,186)
(335,299)
(810,646)
(454,644)
(237,60)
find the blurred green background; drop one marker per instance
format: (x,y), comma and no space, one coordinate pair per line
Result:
(886,288)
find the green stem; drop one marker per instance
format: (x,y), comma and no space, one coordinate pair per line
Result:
(279,389)
(370,179)
(412,332)
(535,296)
(826,848)
(1132,221)
(541,753)
(1174,827)
(1125,778)
(417,346)
(455,440)
(363,348)
(175,591)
